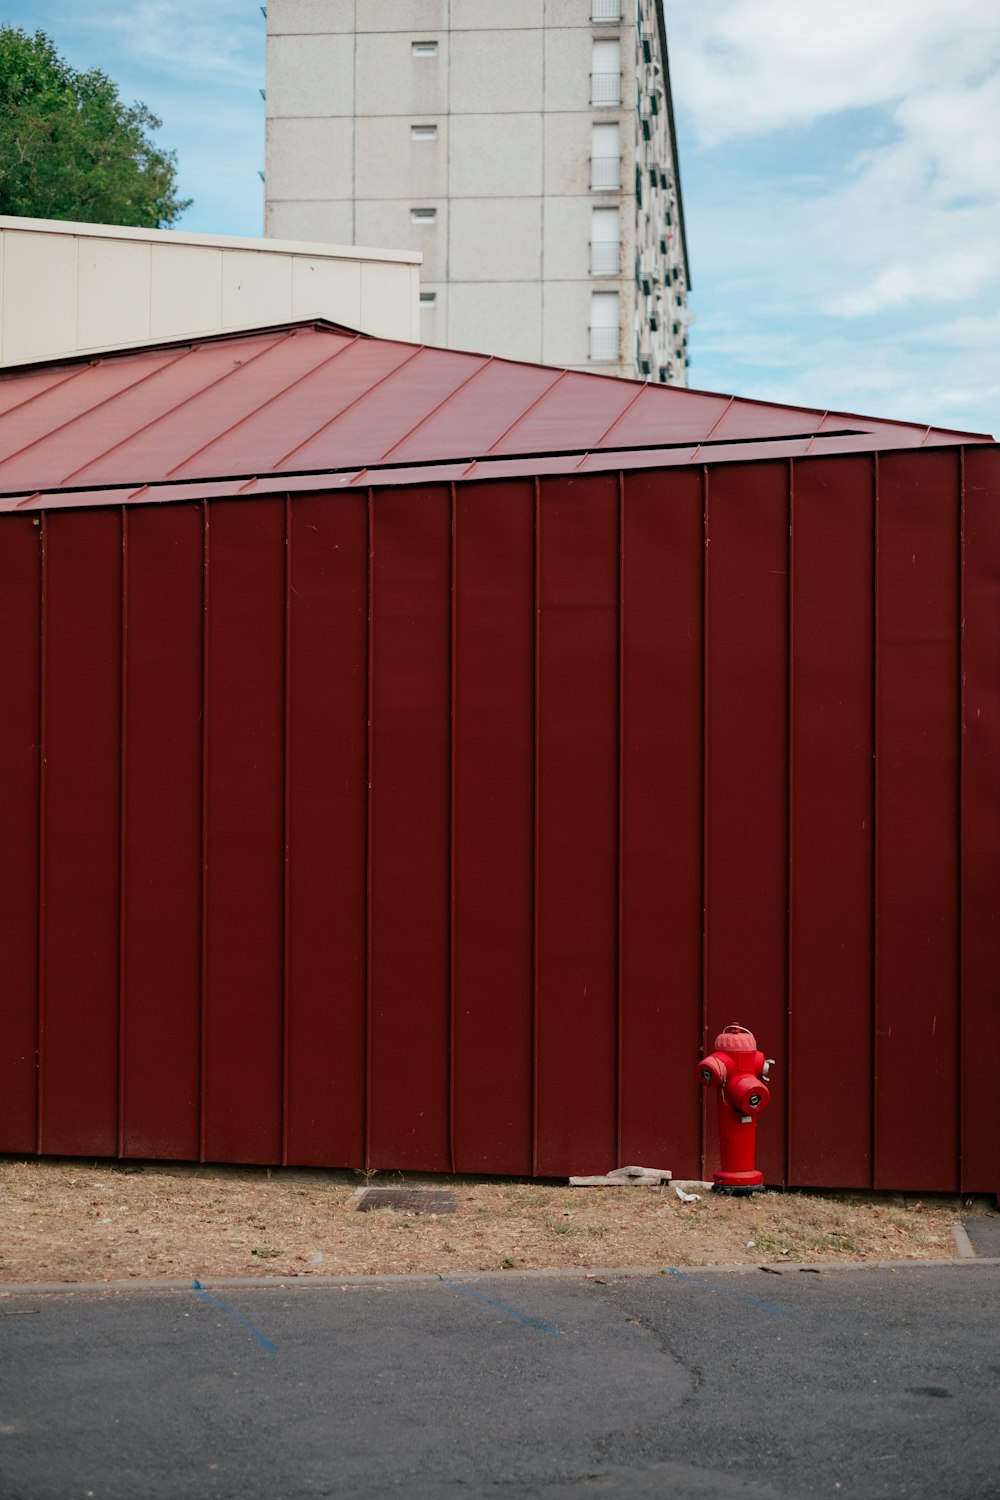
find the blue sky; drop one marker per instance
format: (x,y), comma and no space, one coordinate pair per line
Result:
(839,166)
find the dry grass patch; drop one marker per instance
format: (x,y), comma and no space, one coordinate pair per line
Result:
(70,1221)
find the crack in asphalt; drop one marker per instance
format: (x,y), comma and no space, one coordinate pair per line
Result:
(694,1372)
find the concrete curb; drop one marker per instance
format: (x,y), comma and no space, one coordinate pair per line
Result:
(430,1278)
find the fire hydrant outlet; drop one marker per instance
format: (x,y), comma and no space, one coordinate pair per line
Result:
(748,1094)
(713,1071)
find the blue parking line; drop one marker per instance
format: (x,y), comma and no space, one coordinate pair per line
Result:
(782,1312)
(538,1324)
(272,1348)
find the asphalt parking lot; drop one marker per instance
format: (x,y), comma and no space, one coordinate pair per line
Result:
(854,1381)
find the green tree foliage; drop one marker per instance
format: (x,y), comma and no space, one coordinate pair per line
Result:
(71,149)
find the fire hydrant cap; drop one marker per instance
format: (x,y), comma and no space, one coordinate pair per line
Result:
(736,1039)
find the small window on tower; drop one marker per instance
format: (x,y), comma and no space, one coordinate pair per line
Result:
(424,49)
(604,335)
(423,215)
(605,248)
(605,77)
(605,158)
(423,132)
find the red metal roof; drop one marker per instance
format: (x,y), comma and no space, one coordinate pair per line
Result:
(310,404)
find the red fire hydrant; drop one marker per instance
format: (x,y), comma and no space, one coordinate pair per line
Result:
(739,1071)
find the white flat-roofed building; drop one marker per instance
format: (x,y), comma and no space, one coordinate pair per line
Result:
(68,288)
(524,147)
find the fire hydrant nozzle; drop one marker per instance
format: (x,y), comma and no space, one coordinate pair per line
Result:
(739,1072)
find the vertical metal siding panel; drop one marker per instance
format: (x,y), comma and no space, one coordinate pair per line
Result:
(980,1021)
(82,854)
(746,771)
(370,516)
(161,961)
(876,837)
(535,832)
(493,822)
(245,825)
(122,817)
(20,673)
(453,1101)
(206,591)
(286,820)
(708,1142)
(42,823)
(578,826)
(661,773)
(832,739)
(410,829)
(327,775)
(917,780)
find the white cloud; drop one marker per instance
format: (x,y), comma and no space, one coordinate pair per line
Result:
(966,333)
(946,276)
(222,39)
(953,129)
(911,217)
(753,66)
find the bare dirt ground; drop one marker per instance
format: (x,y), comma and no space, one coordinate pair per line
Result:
(82,1222)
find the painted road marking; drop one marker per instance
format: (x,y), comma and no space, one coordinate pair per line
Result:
(230,1312)
(726,1291)
(538,1324)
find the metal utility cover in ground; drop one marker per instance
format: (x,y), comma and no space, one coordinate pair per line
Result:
(410,758)
(405,1200)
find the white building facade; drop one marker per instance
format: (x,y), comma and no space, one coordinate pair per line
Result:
(524,147)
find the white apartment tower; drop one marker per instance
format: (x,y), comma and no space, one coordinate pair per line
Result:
(525,147)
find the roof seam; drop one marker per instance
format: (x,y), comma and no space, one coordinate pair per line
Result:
(307,375)
(527,410)
(325,426)
(226,375)
(435,409)
(89,410)
(55,386)
(721,418)
(622,414)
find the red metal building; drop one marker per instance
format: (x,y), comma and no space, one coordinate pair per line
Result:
(412,759)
